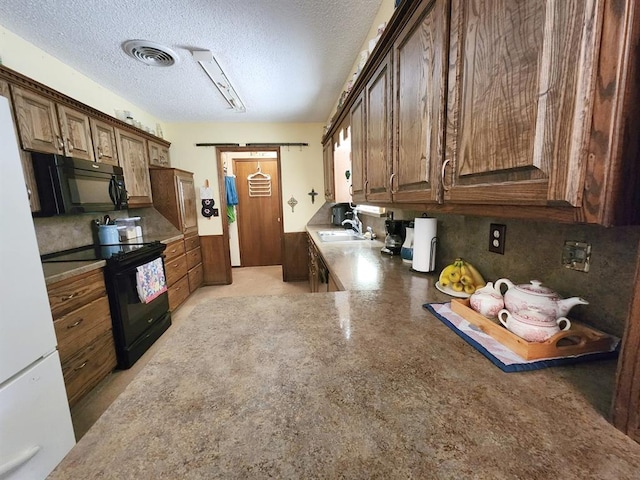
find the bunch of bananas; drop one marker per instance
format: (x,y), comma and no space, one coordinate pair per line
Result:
(461,276)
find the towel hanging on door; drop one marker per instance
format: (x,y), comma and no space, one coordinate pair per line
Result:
(230,186)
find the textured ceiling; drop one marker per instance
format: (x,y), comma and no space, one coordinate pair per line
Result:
(287,59)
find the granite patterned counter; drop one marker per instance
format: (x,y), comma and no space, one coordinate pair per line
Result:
(359,265)
(359,384)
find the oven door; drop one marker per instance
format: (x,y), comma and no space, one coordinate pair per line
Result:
(136,324)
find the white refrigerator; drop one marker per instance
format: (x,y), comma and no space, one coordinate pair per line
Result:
(35,423)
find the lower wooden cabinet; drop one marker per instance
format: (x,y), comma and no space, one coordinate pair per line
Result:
(178,293)
(87,367)
(82,322)
(183,269)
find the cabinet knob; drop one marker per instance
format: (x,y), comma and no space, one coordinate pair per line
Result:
(69,145)
(60,142)
(391,183)
(99,149)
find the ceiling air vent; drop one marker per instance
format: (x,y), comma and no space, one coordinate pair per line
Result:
(150,53)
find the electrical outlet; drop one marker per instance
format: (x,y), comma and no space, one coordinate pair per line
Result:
(497,234)
(576,255)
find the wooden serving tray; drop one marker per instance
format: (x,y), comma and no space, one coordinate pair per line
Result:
(575,341)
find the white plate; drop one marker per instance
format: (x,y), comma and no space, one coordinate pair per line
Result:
(451,291)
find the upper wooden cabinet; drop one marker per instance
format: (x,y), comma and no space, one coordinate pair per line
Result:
(76,133)
(519,110)
(358,145)
(37,120)
(535,122)
(135,164)
(174,196)
(327,162)
(158,154)
(25,157)
(378,133)
(104,142)
(419,103)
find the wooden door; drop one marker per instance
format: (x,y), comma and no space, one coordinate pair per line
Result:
(378,127)
(259,215)
(327,162)
(420,56)
(134,162)
(187,196)
(104,142)
(25,157)
(37,122)
(76,133)
(358,145)
(521,75)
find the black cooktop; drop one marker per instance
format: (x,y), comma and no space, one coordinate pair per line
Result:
(113,252)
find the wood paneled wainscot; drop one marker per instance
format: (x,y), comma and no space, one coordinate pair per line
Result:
(82,323)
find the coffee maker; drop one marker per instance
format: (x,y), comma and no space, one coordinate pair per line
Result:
(394,239)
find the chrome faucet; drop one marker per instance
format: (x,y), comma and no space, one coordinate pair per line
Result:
(356,224)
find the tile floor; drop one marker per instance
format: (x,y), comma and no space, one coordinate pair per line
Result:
(246,281)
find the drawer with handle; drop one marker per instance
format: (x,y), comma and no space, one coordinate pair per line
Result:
(174,249)
(81,327)
(72,293)
(175,269)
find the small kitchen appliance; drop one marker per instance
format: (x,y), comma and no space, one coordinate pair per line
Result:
(394,238)
(339,213)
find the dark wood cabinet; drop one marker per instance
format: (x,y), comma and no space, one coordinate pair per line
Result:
(519,111)
(358,146)
(104,142)
(75,129)
(82,322)
(134,161)
(378,134)
(327,163)
(174,196)
(419,104)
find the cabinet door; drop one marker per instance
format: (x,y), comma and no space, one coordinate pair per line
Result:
(358,150)
(37,122)
(327,162)
(520,76)
(104,142)
(420,58)
(158,155)
(187,202)
(133,160)
(378,139)
(25,157)
(76,133)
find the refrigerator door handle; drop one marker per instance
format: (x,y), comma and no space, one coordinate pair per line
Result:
(19,460)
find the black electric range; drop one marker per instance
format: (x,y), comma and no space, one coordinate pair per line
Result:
(138,320)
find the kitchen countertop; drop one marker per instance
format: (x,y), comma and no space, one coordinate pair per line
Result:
(352,384)
(58,271)
(359,265)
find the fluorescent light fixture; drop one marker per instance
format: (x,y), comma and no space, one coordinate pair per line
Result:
(211,67)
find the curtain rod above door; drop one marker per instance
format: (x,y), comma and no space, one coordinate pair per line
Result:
(252,144)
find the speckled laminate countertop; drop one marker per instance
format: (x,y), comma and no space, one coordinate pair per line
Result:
(359,265)
(58,271)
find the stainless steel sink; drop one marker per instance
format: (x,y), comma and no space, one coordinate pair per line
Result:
(339,236)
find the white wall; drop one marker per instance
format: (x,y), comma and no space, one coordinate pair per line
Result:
(31,61)
(301,166)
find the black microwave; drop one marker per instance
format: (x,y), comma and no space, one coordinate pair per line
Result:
(70,185)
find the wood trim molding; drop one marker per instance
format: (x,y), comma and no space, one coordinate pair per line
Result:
(16,78)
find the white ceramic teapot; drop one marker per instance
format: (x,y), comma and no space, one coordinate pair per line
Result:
(487,301)
(533,295)
(532,325)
